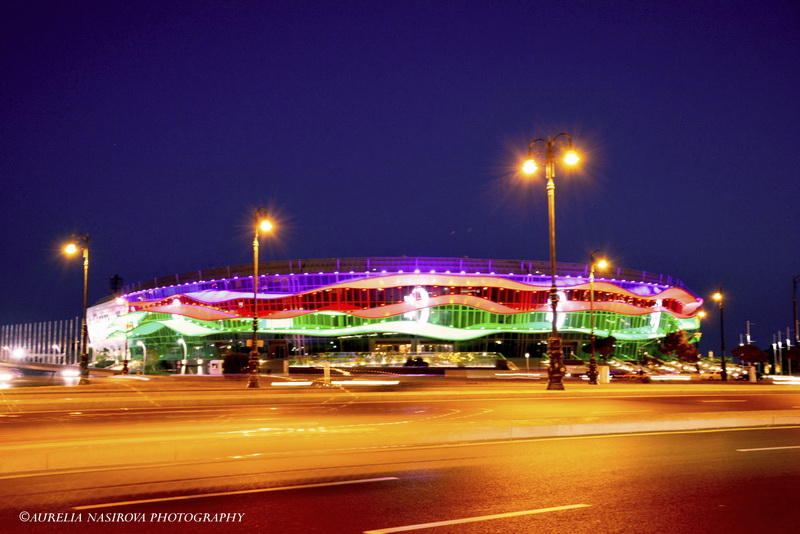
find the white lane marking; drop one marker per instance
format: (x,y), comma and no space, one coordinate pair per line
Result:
(769,448)
(475,519)
(238,492)
(725,400)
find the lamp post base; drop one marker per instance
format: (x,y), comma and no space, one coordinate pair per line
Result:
(555,373)
(592,372)
(252,370)
(555,383)
(84,365)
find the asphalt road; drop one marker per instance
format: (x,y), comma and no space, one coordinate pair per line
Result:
(696,482)
(349,460)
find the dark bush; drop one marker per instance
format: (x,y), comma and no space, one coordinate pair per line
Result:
(235,363)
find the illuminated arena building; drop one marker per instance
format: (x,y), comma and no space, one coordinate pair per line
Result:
(383,308)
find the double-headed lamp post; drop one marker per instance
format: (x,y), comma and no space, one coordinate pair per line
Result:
(185,360)
(795,323)
(602,264)
(122,302)
(700,316)
(140,343)
(80,243)
(718,298)
(546,150)
(261,225)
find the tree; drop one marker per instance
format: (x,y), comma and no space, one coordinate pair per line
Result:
(671,342)
(235,363)
(678,343)
(603,346)
(687,352)
(645,359)
(750,354)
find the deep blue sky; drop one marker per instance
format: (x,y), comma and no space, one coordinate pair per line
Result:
(391,128)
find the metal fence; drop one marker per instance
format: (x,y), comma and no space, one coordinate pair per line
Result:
(56,342)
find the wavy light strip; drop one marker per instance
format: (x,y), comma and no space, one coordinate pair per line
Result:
(400,280)
(202,313)
(403,280)
(402,327)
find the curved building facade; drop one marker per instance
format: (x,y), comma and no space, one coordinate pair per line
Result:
(392,305)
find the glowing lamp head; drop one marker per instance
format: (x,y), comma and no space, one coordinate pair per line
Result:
(529,167)
(265,225)
(602,264)
(717,297)
(571,158)
(701,314)
(70,249)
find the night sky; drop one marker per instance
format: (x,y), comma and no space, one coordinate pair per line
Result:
(394,128)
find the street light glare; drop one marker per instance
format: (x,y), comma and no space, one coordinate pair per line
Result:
(571,157)
(70,249)
(265,225)
(716,297)
(701,314)
(602,264)
(529,167)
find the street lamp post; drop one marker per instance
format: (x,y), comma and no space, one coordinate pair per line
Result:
(121,301)
(718,297)
(700,316)
(139,343)
(185,361)
(546,150)
(126,355)
(795,324)
(601,264)
(261,224)
(80,243)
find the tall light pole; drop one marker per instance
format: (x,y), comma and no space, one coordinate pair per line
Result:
(718,298)
(545,150)
(795,324)
(140,343)
(261,224)
(185,361)
(80,243)
(127,355)
(121,301)
(700,316)
(601,264)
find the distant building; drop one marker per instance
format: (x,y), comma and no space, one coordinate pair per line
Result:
(380,310)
